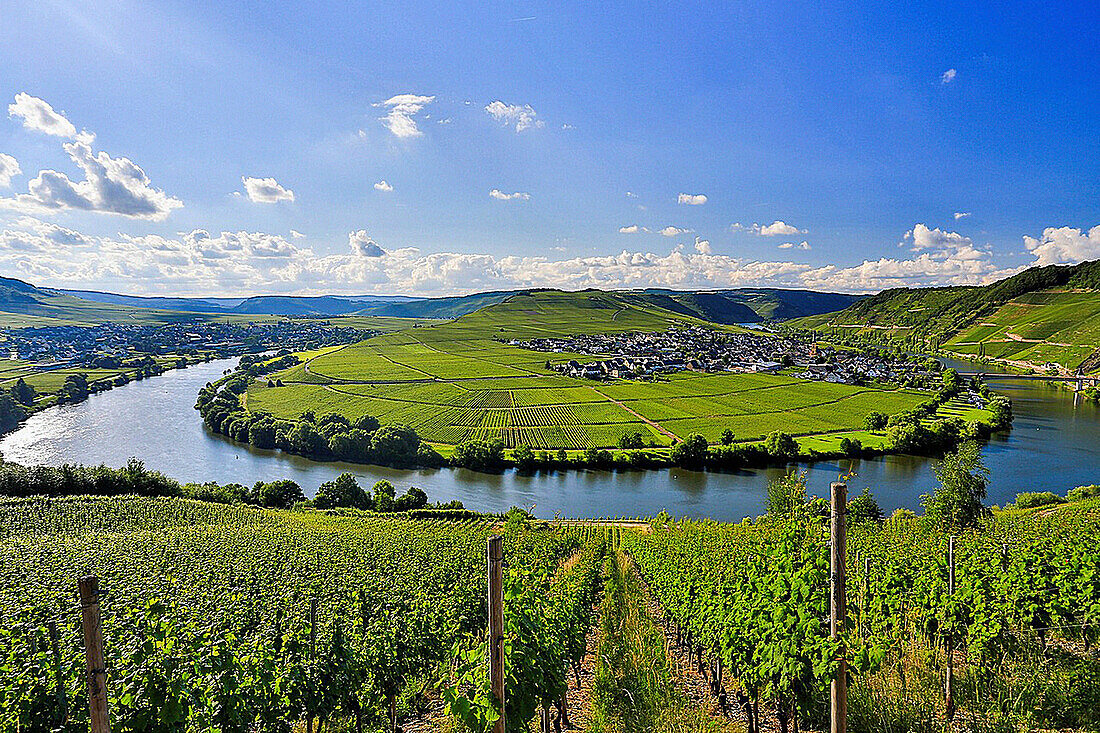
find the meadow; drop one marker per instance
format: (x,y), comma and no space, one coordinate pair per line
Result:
(463,381)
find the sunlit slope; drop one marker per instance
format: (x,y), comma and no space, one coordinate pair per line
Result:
(462,381)
(1041,315)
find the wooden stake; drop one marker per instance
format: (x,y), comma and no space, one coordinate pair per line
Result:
(312,645)
(93,652)
(496,624)
(55,649)
(838,607)
(949,684)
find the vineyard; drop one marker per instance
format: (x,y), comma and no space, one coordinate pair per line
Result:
(229,618)
(462,381)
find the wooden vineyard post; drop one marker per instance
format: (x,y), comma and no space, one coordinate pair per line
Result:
(312,646)
(496,624)
(949,684)
(93,652)
(838,606)
(55,651)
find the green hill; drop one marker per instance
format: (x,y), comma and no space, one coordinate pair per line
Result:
(1042,315)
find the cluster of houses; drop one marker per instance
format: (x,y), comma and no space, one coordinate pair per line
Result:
(645,355)
(96,345)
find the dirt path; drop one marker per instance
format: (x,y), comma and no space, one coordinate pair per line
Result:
(638,415)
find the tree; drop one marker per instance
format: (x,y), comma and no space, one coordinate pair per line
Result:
(781,445)
(958,500)
(524,457)
(394,445)
(366,423)
(304,439)
(276,494)
(875,421)
(1001,407)
(383,493)
(414,498)
(952,382)
(342,491)
(631,440)
(851,447)
(23,393)
(479,455)
(691,452)
(354,445)
(864,508)
(10,412)
(727,437)
(787,494)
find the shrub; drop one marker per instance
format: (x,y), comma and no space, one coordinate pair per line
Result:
(787,495)
(1083,492)
(864,508)
(875,421)
(781,445)
(1030,499)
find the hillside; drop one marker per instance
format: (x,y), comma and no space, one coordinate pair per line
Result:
(23,304)
(1041,315)
(719,306)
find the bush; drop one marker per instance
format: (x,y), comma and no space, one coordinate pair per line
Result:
(1030,499)
(727,437)
(864,508)
(1083,492)
(691,452)
(875,421)
(787,495)
(631,440)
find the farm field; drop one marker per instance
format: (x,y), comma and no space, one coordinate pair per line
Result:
(462,381)
(1037,327)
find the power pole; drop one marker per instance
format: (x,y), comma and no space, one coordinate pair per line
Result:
(496,624)
(838,606)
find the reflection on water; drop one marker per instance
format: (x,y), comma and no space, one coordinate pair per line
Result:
(1053,446)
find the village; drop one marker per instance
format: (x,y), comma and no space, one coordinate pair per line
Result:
(646,356)
(106,344)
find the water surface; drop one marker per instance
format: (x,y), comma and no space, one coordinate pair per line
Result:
(1054,445)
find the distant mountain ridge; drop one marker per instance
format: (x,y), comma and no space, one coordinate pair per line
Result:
(741,305)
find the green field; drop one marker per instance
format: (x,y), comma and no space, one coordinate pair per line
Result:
(456,382)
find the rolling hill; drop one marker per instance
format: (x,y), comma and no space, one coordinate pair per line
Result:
(1040,316)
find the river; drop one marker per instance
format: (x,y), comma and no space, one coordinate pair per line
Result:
(1054,445)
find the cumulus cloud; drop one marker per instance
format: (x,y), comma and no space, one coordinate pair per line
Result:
(523,117)
(691,199)
(297,234)
(948,76)
(383,186)
(631,195)
(37,114)
(1064,245)
(9,168)
(961,215)
(501,196)
(110,185)
(922,237)
(632,229)
(362,244)
(776,229)
(671,231)
(201,262)
(402,109)
(702,246)
(265,190)
(791,245)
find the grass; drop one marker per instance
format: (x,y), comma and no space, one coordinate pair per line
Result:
(461,381)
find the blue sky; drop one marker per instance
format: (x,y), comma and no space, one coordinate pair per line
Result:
(838,147)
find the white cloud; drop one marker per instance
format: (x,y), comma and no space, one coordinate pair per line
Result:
(383,186)
(961,215)
(110,185)
(501,196)
(948,76)
(632,229)
(399,120)
(522,116)
(297,234)
(266,190)
(692,199)
(702,246)
(791,245)
(200,262)
(776,229)
(1064,245)
(671,231)
(631,195)
(567,126)
(362,244)
(922,237)
(9,168)
(38,115)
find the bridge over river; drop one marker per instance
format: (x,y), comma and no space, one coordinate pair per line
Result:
(1080,381)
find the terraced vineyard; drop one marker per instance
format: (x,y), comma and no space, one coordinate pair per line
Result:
(462,381)
(1039,327)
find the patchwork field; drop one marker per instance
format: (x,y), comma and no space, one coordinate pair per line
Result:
(1038,327)
(460,381)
